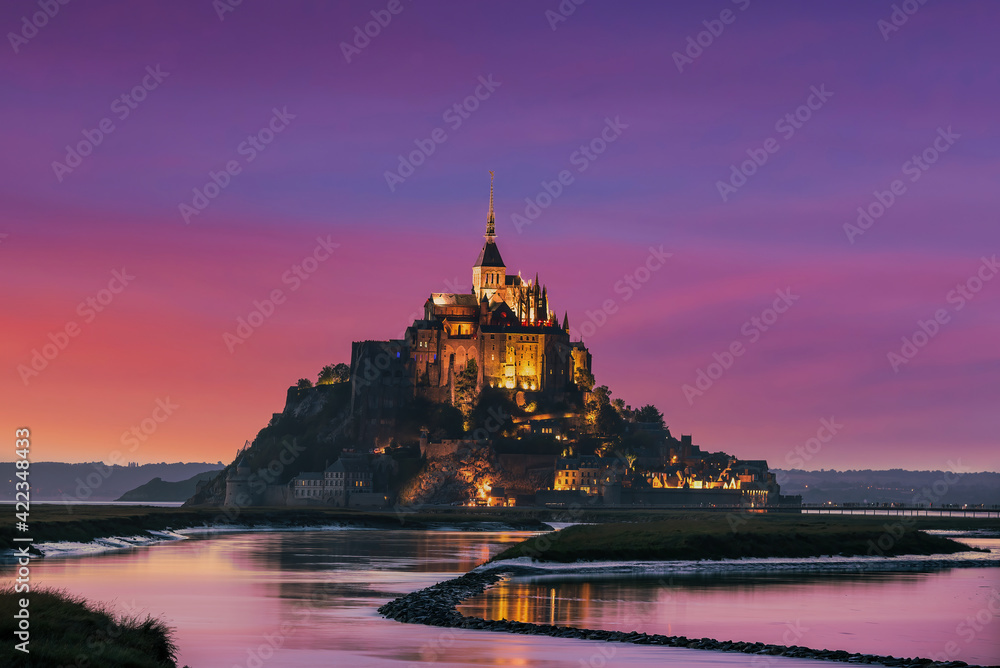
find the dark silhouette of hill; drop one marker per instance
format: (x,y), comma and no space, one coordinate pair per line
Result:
(892,486)
(95,481)
(159,490)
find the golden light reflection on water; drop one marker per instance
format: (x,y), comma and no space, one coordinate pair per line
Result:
(878,613)
(537,603)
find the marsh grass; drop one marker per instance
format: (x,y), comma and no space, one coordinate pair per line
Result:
(66,630)
(720,537)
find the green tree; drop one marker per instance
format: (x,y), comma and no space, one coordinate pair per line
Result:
(494,406)
(619,405)
(601,395)
(601,414)
(332,374)
(303,383)
(584,380)
(465,387)
(609,422)
(649,413)
(630,457)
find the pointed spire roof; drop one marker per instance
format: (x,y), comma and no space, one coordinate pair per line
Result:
(490,226)
(566,320)
(490,255)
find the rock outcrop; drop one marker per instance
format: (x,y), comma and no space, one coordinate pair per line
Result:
(460,476)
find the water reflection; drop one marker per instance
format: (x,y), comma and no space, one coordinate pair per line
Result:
(902,614)
(309,598)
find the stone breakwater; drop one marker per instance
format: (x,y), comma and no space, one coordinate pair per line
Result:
(436,606)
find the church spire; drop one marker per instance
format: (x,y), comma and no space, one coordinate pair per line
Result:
(490,227)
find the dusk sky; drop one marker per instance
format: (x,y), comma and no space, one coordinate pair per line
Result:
(865,96)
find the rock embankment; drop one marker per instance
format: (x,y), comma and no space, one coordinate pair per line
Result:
(459,476)
(436,606)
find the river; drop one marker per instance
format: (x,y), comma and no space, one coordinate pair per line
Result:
(309,598)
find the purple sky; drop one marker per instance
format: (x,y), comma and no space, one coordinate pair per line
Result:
(889,95)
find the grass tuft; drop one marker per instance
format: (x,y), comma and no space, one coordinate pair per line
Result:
(66,630)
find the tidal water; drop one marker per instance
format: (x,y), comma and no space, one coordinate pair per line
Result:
(901,614)
(309,598)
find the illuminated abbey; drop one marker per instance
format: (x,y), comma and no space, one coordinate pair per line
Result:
(504,326)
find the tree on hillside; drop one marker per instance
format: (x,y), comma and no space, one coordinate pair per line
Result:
(619,405)
(649,413)
(601,414)
(609,422)
(334,373)
(493,411)
(584,380)
(465,388)
(303,383)
(601,395)
(630,457)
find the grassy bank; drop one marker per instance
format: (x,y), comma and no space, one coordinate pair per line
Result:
(717,536)
(67,631)
(54,523)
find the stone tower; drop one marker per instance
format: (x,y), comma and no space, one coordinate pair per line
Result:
(238,485)
(489,274)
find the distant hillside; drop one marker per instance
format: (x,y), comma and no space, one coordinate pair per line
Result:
(158,490)
(94,481)
(892,486)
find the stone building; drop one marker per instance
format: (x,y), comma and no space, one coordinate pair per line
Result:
(308,486)
(580,474)
(505,325)
(345,478)
(344,483)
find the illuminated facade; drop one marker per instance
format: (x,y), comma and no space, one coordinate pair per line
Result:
(504,324)
(692,477)
(581,474)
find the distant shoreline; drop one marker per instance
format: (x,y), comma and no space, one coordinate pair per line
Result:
(60,502)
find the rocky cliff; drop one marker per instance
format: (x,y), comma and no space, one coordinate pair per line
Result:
(308,434)
(461,476)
